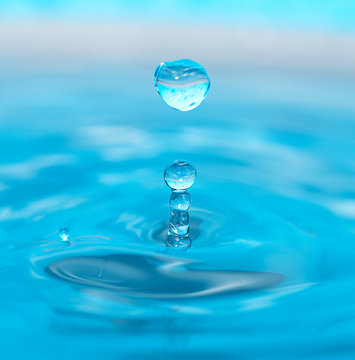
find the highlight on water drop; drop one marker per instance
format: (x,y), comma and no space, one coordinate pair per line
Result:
(182,84)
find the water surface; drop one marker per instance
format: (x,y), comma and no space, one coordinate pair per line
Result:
(271,268)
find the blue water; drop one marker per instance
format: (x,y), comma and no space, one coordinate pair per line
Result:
(270,271)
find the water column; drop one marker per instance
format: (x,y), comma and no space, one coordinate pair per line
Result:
(179,177)
(183,85)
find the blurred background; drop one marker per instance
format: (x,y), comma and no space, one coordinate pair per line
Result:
(282,73)
(313,35)
(257,47)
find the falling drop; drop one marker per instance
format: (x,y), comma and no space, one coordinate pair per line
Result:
(182,84)
(64,234)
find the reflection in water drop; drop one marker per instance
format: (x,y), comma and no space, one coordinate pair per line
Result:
(64,234)
(182,84)
(157,277)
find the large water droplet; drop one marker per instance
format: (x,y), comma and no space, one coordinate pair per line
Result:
(182,84)
(180,175)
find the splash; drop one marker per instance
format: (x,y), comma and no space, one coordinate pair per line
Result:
(179,177)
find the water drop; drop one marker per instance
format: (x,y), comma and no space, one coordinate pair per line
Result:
(64,234)
(180,200)
(180,175)
(182,84)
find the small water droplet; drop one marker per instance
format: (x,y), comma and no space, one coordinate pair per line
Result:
(180,175)
(182,84)
(180,200)
(64,234)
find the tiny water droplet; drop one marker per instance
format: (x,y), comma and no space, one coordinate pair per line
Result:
(64,234)
(182,84)
(180,175)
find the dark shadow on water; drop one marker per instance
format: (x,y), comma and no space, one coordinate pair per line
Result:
(156,277)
